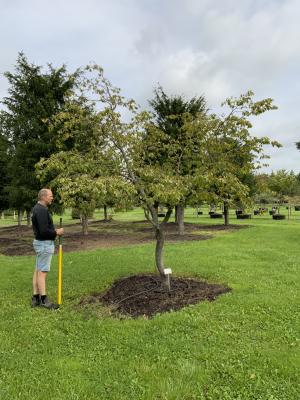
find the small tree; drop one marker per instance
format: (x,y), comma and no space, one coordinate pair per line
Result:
(83,173)
(135,145)
(126,143)
(74,183)
(118,194)
(234,154)
(263,194)
(283,184)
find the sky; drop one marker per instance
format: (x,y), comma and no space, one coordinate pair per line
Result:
(215,48)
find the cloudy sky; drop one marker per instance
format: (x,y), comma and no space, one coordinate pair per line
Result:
(215,48)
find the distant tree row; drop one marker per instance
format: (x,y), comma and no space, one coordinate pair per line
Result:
(278,187)
(78,135)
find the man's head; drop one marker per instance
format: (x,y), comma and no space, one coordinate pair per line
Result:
(45,196)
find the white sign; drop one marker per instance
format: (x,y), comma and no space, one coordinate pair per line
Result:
(167,271)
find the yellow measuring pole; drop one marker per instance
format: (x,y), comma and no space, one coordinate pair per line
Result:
(59,291)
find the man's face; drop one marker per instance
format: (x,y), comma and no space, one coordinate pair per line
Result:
(48,198)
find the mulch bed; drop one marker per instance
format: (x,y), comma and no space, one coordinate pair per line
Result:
(145,295)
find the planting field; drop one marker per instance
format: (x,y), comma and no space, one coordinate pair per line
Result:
(242,346)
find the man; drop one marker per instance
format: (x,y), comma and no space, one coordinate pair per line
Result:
(44,233)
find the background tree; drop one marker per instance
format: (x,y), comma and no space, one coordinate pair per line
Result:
(169,116)
(234,154)
(84,173)
(118,194)
(4,160)
(81,183)
(283,184)
(263,194)
(298,184)
(33,98)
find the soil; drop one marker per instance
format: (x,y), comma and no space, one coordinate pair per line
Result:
(145,295)
(17,241)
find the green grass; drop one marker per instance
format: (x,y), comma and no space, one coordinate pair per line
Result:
(245,345)
(137,214)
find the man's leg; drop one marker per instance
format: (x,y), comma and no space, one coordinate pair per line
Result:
(36,300)
(43,267)
(41,281)
(45,302)
(35,287)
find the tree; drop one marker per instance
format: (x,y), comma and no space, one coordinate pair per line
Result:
(83,172)
(170,114)
(118,194)
(4,160)
(234,154)
(283,184)
(33,98)
(81,183)
(125,143)
(132,142)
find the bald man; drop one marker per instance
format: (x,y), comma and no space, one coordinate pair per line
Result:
(43,244)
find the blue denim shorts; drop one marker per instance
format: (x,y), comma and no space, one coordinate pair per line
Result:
(44,250)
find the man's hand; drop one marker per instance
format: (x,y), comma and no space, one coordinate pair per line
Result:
(59,231)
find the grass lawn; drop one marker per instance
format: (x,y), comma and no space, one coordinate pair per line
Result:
(137,214)
(245,345)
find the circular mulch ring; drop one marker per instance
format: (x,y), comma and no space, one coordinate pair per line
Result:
(144,295)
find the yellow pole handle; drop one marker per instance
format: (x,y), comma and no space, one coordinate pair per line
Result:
(59,274)
(59,291)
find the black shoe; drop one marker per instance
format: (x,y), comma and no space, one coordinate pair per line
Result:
(47,304)
(35,301)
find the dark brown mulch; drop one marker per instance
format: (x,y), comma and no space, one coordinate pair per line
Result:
(144,295)
(190,227)
(15,241)
(222,227)
(20,249)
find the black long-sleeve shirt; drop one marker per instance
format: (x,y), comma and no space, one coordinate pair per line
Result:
(42,223)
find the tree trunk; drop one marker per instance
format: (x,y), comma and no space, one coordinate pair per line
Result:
(28,218)
(176,214)
(84,223)
(105,212)
(20,216)
(160,240)
(2,215)
(180,219)
(226,214)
